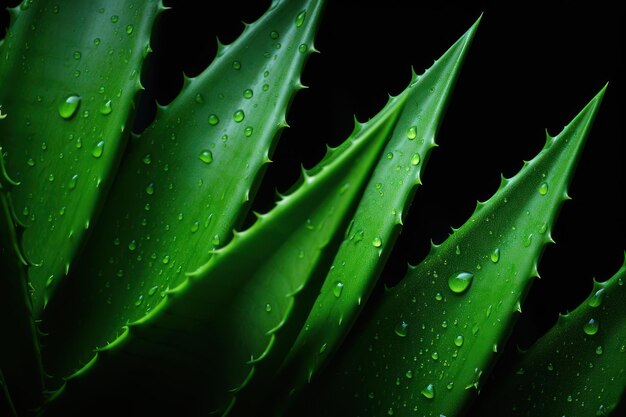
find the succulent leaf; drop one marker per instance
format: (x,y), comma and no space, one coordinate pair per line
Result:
(69,98)
(185,183)
(431,338)
(577,368)
(377,221)
(255,280)
(20,356)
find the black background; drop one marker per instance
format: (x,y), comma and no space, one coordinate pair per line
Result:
(532,65)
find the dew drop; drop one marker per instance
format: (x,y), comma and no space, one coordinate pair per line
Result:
(411,133)
(72,182)
(401,329)
(268,307)
(153,290)
(591,327)
(199,98)
(236,65)
(30,162)
(415,159)
(106,108)
(300,18)
(77,55)
(132,245)
(266,87)
(303,48)
(543,188)
(599,350)
(458,341)
(248,131)
(596,299)
(238,116)
(166,259)
(69,106)
(98,149)
(274,35)
(206,156)
(129,29)
(248,93)
(150,189)
(460,281)
(428,391)
(147,159)
(195,226)
(115,18)
(139,301)
(213,120)
(216,240)
(337,289)
(495,255)
(377,242)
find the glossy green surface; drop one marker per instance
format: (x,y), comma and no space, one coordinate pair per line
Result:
(577,369)
(60,145)
(428,342)
(377,221)
(184,184)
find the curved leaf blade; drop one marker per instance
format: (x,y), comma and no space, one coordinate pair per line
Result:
(257,280)
(577,368)
(69,98)
(431,338)
(377,221)
(184,184)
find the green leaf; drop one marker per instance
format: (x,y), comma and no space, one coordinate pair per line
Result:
(20,357)
(257,291)
(69,73)
(377,221)
(577,369)
(185,183)
(248,292)
(431,338)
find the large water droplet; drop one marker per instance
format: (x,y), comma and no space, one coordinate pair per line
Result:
(377,242)
(415,159)
(428,391)
(596,299)
(591,327)
(236,65)
(248,131)
(69,106)
(106,108)
(274,35)
(129,29)
(206,156)
(98,149)
(401,329)
(460,281)
(337,289)
(543,188)
(495,255)
(248,93)
(238,116)
(213,119)
(150,189)
(458,341)
(411,133)
(303,48)
(71,184)
(300,18)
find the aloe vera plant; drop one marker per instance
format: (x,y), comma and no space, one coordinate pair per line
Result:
(133,270)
